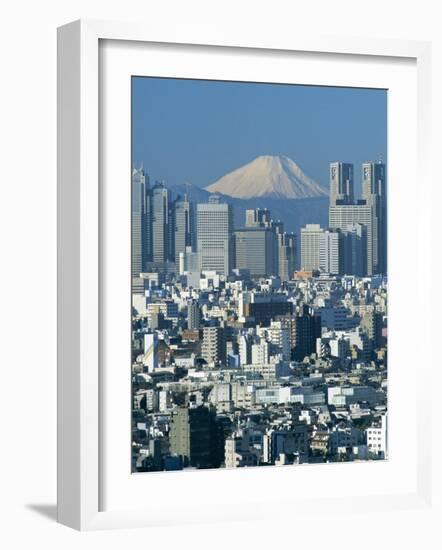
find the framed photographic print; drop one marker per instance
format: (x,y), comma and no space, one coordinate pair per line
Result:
(232,305)
(243,354)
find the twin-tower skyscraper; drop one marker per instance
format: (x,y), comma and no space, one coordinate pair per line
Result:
(369,211)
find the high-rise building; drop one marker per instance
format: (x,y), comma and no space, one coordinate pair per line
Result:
(374,193)
(282,251)
(256,250)
(355,250)
(310,244)
(162,225)
(197,437)
(279,336)
(370,211)
(341,216)
(213,349)
(289,322)
(245,349)
(258,217)
(331,258)
(193,315)
(308,329)
(183,219)
(372,324)
(140,219)
(286,255)
(341,183)
(215,236)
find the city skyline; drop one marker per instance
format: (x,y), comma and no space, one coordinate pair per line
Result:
(254,344)
(205,129)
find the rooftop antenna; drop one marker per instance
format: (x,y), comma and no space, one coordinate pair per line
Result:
(380,158)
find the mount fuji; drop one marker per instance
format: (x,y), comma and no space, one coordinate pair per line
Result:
(271,177)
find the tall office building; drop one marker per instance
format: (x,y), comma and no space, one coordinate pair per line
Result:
(370,212)
(256,249)
(341,183)
(355,250)
(308,329)
(215,236)
(286,255)
(285,243)
(374,193)
(140,189)
(183,234)
(258,217)
(341,216)
(331,257)
(162,225)
(310,244)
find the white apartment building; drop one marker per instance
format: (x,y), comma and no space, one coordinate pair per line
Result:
(260,353)
(377,438)
(279,336)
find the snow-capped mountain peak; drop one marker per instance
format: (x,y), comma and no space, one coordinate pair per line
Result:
(268,176)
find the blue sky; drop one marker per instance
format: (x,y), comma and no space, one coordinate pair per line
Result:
(196,131)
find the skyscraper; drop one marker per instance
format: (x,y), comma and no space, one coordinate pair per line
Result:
(140,215)
(258,217)
(286,255)
(341,183)
(284,246)
(256,249)
(183,220)
(374,193)
(370,212)
(355,250)
(310,242)
(162,225)
(215,236)
(343,215)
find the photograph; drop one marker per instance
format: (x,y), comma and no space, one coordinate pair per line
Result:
(220,281)
(259,274)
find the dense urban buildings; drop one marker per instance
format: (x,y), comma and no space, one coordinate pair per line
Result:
(250,346)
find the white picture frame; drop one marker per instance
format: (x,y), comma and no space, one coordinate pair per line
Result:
(80,260)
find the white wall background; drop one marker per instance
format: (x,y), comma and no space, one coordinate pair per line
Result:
(28,251)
